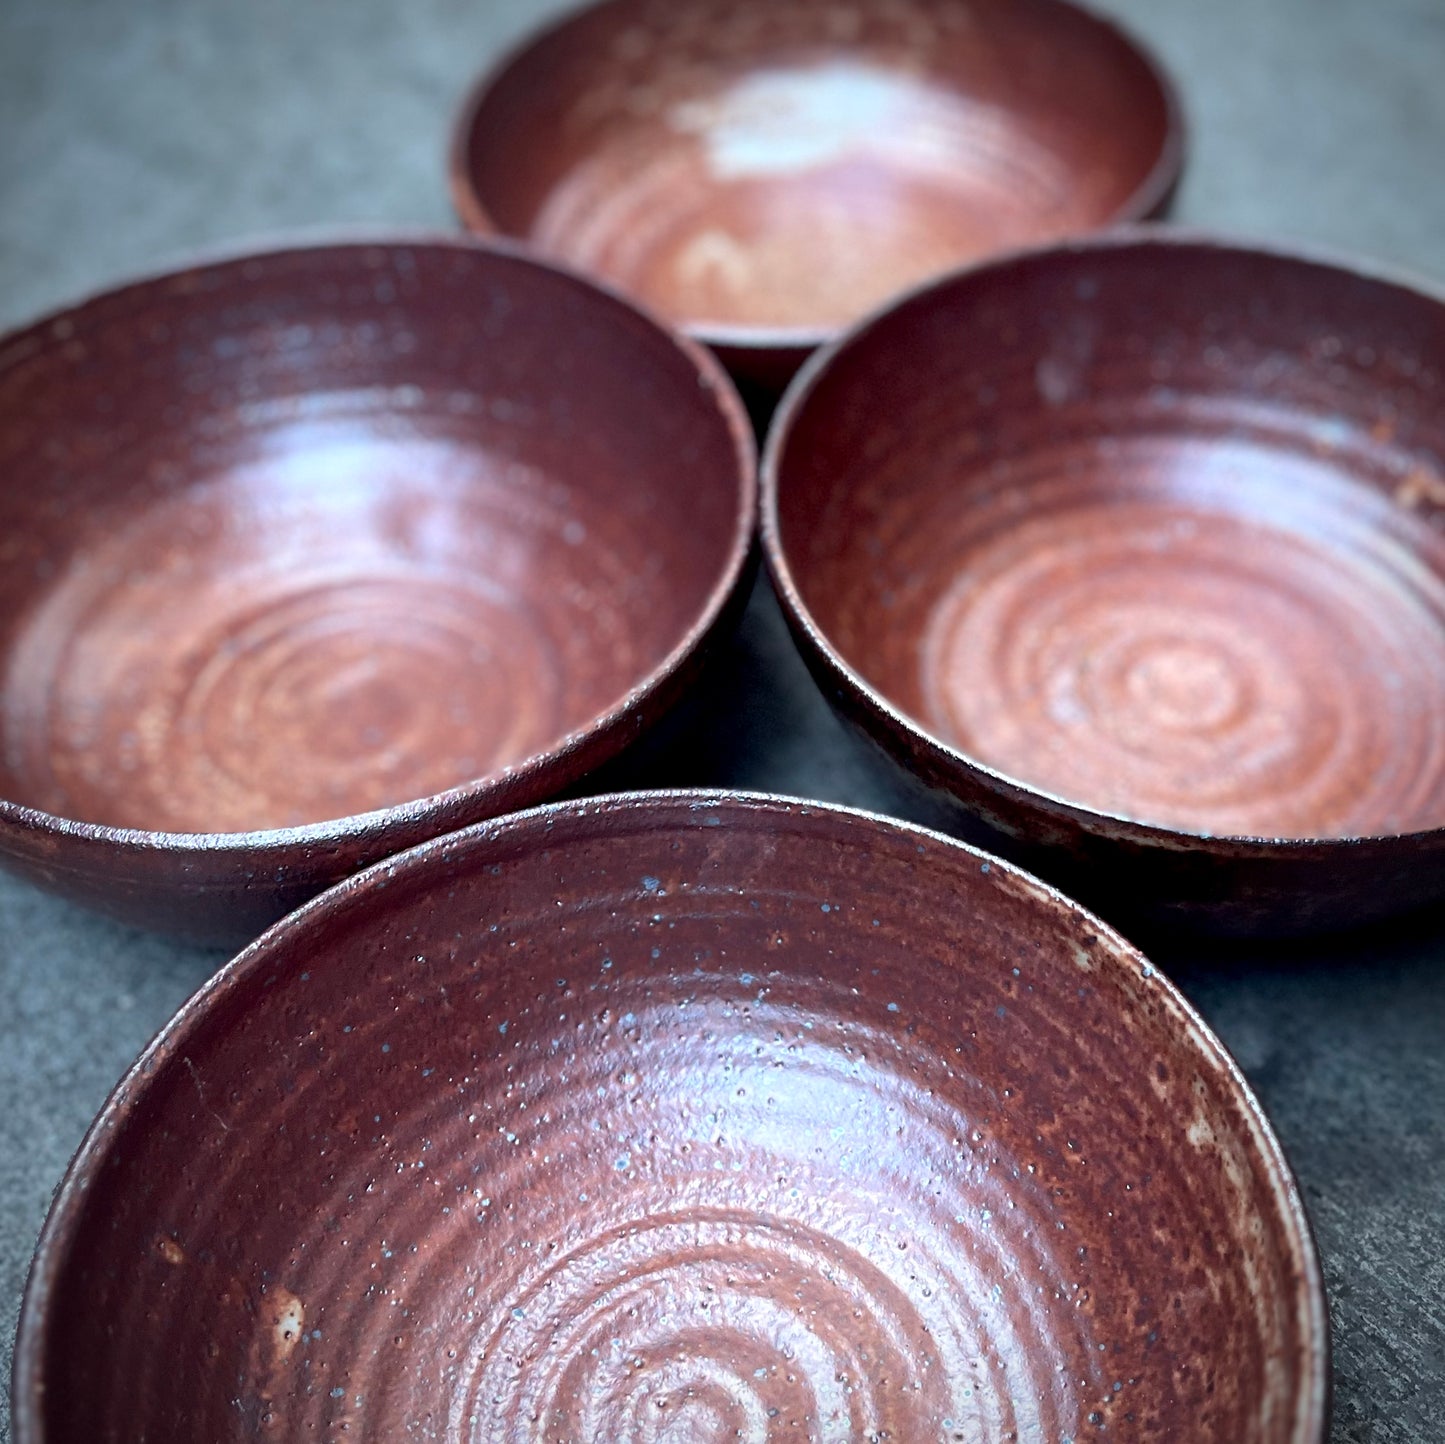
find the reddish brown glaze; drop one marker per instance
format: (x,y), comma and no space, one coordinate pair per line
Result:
(1137,547)
(291,538)
(680,1117)
(763,173)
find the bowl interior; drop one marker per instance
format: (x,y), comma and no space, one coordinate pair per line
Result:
(299,536)
(680,1118)
(747,167)
(1156,527)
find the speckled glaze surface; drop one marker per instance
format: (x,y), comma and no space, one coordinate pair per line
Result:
(291,541)
(764,174)
(680,1116)
(1136,547)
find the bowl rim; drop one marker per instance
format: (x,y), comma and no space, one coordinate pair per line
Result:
(520,783)
(536,827)
(1149,197)
(1153,237)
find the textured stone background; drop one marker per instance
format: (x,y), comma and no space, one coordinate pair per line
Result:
(131,133)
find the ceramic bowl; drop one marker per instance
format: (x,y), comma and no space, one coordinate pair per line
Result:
(1133,551)
(763,174)
(680,1116)
(309,555)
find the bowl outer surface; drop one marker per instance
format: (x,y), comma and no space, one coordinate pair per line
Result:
(1134,551)
(315,553)
(664,1113)
(764,174)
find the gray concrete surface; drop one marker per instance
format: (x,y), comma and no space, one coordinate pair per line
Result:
(132,133)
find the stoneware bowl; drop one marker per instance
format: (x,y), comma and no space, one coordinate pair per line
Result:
(1133,552)
(680,1117)
(764,173)
(310,555)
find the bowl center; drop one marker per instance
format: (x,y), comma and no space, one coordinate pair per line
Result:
(344,621)
(801,196)
(1216,635)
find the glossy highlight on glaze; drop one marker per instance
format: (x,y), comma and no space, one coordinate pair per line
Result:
(764,174)
(1141,541)
(681,1116)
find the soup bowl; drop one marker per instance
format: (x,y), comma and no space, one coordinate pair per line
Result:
(1131,552)
(764,174)
(308,555)
(680,1116)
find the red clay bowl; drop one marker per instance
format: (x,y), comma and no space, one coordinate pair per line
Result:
(680,1117)
(765,173)
(308,556)
(1133,551)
